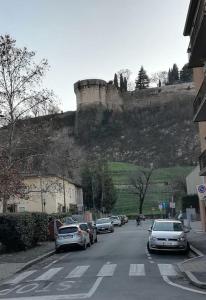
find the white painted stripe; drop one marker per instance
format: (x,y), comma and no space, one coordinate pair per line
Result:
(20,277)
(48,274)
(167,270)
(78,272)
(107,270)
(137,270)
(50,264)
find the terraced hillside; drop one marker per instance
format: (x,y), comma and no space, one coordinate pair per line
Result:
(159,190)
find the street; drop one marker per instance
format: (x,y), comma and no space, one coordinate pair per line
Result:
(117,267)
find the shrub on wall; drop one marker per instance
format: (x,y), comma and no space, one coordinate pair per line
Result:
(17,231)
(41,226)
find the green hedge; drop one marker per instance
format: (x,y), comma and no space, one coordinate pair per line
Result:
(20,231)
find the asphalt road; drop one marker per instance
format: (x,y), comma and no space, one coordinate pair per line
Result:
(117,267)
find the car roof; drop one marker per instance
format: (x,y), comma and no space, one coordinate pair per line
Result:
(167,220)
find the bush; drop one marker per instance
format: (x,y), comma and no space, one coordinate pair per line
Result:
(41,226)
(17,231)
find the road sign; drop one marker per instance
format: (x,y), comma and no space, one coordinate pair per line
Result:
(172,204)
(201,190)
(160,206)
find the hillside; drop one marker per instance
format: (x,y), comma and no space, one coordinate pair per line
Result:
(127,202)
(155,127)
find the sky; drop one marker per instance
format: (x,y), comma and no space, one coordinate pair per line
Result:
(95,38)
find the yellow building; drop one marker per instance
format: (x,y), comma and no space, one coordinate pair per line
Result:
(195,27)
(50,194)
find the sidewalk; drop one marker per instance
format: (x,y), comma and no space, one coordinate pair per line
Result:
(195,268)
(10,263)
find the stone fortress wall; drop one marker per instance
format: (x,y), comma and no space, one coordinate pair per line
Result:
(99,92)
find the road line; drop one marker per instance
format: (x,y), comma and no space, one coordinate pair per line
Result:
(50,264)
(49,274)
(20,277)
(167,270)
(137,270)
(78,272)
(107,270)
(168,281)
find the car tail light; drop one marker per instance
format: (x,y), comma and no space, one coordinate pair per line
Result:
(80,233)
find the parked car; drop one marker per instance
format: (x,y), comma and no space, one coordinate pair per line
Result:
(69,220)
(116,220)
(125,218)
(104,225)
(92,232)
(73,235)
(167,235)
(122,219)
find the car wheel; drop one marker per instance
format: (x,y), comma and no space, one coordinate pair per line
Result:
(57,250)
(148,248)
(187,248)
(84,247)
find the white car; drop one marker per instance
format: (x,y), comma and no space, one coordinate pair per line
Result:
(116,220)
(73,235)
(167,235)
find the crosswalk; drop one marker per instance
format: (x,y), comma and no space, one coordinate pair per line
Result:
(106,270)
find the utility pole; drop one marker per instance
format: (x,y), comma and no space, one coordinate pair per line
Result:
(64,195)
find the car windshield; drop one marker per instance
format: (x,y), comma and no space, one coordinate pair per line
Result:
(102,221)
(115,218)
(68,230)
(167,226)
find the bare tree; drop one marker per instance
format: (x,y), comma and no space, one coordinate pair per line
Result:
(140,182)
(158,77)
(21,92)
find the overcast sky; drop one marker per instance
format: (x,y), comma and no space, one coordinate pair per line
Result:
(95,38)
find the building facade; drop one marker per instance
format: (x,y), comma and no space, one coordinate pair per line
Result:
(195,28)
(50,194)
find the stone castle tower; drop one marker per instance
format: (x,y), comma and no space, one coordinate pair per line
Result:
(97,92)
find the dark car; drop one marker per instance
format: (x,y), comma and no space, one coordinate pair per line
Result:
(92,232)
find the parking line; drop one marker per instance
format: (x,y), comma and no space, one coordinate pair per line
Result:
(48,275)
(137,270)
(20,277)
(107,270)
(78,272)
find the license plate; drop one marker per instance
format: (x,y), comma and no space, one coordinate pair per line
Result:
(68,236)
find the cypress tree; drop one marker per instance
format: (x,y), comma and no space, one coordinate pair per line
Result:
(125,84)
(116,81)
(186,74)
(121,82)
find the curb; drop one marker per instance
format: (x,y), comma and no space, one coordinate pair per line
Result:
(189,274)
(36,260)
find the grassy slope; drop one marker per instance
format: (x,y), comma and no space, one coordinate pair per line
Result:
(158,191)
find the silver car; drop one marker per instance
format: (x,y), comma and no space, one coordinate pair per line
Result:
(167,235)
(71,235)
(104,225)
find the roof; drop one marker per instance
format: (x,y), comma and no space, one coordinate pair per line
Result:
(190,16)
(77,184)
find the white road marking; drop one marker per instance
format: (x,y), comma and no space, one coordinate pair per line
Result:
(78,272)
(137,270)
(50,264)
(64,297)
(20,277)
(107,270)
(48,275)
(168,281)
(167,270)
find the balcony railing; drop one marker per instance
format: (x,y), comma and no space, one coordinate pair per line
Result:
(202,161)
(194,49)
(199,104)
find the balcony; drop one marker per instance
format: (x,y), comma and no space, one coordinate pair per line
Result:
(199,105)
(202,161)
(197,47)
